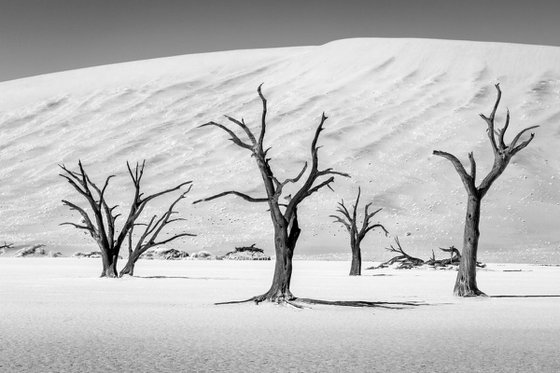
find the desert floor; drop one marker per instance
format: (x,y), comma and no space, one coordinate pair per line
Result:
(57,316)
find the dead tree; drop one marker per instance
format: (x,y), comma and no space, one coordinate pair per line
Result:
(455,255)
(284,216)
(350,222)
(465,285)
(149,237)
(101,224)
(405,260)
(454,258)
(6,245)
(253,249)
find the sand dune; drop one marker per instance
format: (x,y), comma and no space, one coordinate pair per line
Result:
(390,102)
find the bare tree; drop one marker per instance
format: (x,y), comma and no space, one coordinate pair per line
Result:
(149,237)
(405,260)
(350,222)
(453,260)
(101,226)
(465,285)
(284,216)
(6,245)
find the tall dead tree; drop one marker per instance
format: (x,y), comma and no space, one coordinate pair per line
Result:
(149,237)
(101,226)
(465,285)
(350,222)
(284,216)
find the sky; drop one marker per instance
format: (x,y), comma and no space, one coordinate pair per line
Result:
(42,36)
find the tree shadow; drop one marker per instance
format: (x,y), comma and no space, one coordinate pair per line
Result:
(526,296)
(303,302)
(184,277)
(361,303)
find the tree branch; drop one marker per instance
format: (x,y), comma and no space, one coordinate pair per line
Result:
(355,207)
(173,238)
(90,229)
(244,127)
(490,121)
(239,194)
(467,180)
(512,146)
(473,167)
(233,138)
(263,117)
(342,221)
(502,132)
(378,225)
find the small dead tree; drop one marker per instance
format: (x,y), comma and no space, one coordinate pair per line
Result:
(465,285)
(101,226)
(149,237)
(350,222)
(6,245)
(454,258)
(284,216)
(405,260)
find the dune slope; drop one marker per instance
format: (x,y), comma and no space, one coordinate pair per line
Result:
(390,102)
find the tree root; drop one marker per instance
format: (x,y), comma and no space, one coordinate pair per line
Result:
(266,297)
(471,293)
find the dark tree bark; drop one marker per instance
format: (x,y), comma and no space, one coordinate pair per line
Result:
(350,222)
(465,285)
(149,238)
(284,216)
(454,258)
(356,264)
(102,225)
(128,268)
(109,260)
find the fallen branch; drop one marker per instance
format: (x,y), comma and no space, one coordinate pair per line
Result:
(405,261)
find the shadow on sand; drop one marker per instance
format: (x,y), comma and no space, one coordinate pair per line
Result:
(361,303)
(185,277)
(303,302)
(526,296)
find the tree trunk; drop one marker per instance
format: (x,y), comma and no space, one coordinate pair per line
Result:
(356,267)
(284,247)
(109,265)
(465,285)
(128,269)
